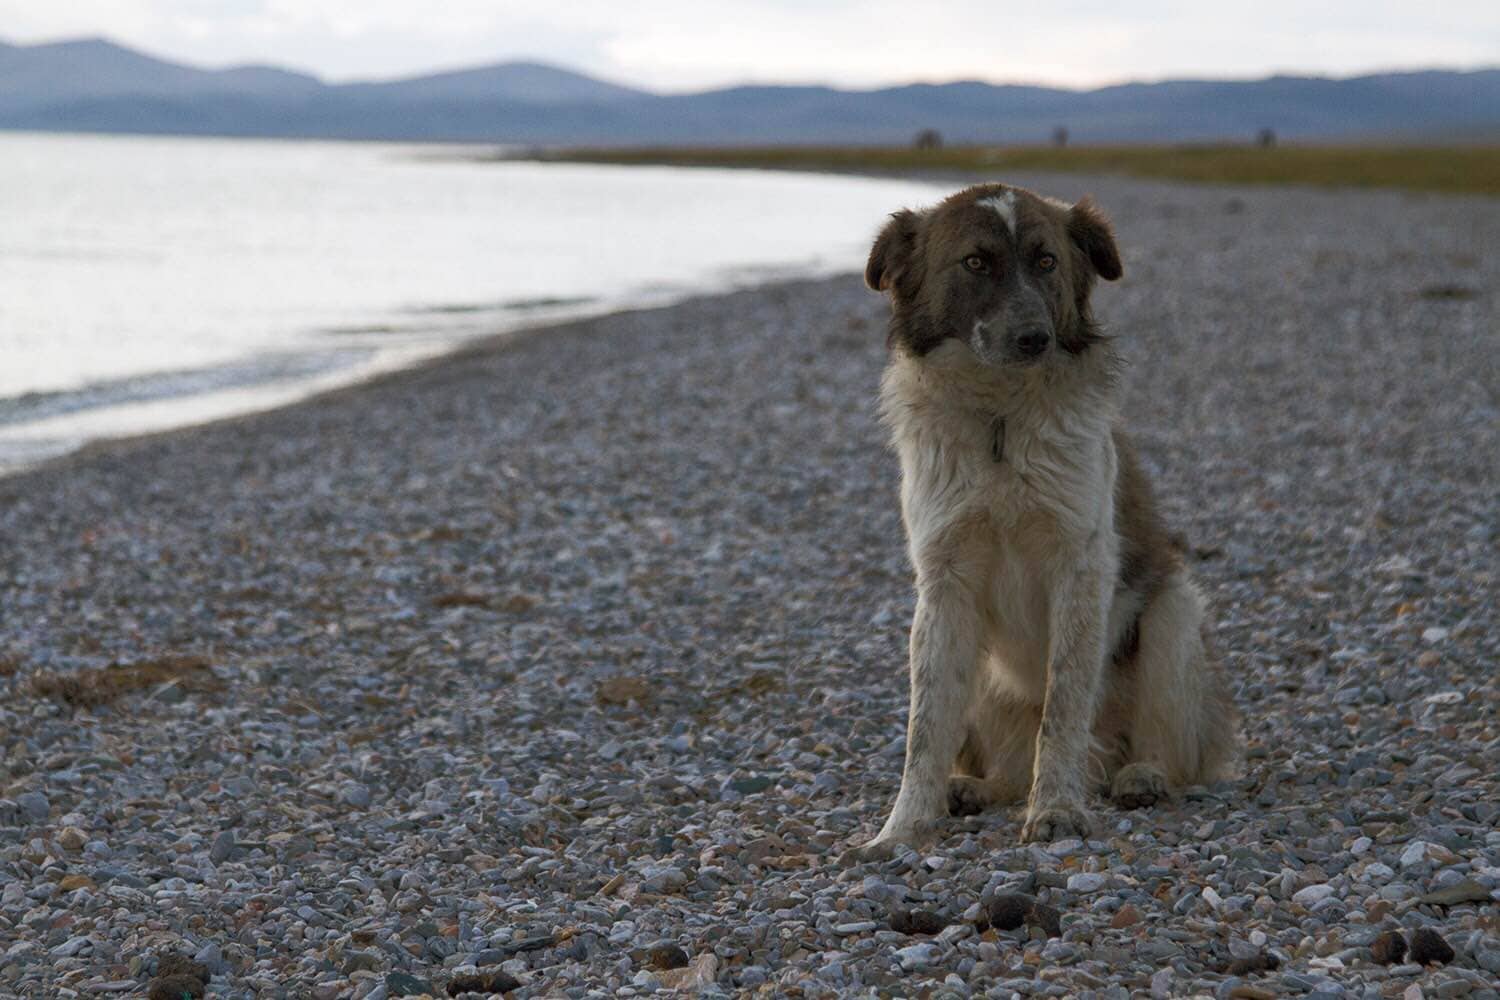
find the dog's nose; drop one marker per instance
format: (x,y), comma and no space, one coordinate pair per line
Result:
(1032,342)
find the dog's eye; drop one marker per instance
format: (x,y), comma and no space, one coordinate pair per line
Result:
(976,263)
(1046,262)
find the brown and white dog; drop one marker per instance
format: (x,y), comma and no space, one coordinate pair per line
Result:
(1059,643)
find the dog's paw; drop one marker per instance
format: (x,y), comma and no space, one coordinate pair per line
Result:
(912,835)
(879,849)
(1137,786)
(1057,821)
(966,796)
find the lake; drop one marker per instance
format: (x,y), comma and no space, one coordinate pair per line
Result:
(147,282)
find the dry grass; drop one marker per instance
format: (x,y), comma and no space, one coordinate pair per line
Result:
(101,685)
(1460,169)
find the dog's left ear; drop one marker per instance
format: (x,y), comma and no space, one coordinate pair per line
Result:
(1090,230)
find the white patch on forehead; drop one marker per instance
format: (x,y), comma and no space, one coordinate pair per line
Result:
(1004,205)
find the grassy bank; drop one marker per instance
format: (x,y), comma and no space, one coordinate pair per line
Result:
(1464,169)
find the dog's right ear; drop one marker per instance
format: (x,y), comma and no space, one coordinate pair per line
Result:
(893,251)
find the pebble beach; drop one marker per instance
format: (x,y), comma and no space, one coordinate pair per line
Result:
(571,664)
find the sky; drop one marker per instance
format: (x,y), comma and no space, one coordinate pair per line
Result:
(680,45)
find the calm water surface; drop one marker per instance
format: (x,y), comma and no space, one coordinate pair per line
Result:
(152,282)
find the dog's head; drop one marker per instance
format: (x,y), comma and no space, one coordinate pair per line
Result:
(1001,270)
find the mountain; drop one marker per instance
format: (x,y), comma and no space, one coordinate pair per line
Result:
(97,85)
(34,77)
(521,82)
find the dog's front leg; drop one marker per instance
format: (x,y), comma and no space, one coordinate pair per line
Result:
(1075,668)
(944,655)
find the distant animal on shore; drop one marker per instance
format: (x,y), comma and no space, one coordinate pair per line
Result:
(1060,645)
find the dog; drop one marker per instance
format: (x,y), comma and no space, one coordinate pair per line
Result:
(1059,643)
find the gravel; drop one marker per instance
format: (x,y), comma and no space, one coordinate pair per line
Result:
(582,654)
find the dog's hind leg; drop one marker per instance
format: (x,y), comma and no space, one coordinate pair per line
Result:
(995,765)
(1182,726)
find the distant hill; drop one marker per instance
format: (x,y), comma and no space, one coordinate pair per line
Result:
(37,77)
(97,85)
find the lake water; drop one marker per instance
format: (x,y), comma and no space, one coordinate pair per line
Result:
(149,282)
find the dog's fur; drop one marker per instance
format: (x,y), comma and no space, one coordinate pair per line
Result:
(1059,643)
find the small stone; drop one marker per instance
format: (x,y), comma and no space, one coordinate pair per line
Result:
(72,882)
(1312,895)
(400,984)
(1087,882)
(855,927)
(693,977)
(486,981)
(355,795)
(223,846)
(1415,853)
(917,956)
(1244,992)
(1467,891)
(1428,947)
(34,805)
(666,955)
(1046,918)
(175,964)
(905,921)
(210,958)
(70,947)
(1262,961)
(174,987)
(70,838)
(1389,948)
(1126,916)
(1008,911)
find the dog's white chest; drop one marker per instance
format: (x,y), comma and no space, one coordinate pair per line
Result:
(1040,482)
(1013,529)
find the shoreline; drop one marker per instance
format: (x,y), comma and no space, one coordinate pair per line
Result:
(295,293)
(270,395)
(480,345)
(581,654)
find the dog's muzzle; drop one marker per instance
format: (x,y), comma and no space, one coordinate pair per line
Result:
(1012,343)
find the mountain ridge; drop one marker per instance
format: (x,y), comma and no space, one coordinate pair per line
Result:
(95,84)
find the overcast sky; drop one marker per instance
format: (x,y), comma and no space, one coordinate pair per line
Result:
(690,44)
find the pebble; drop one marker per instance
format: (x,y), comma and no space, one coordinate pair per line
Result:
(34,805)
(70,838)
(1428,947)
(355,795)
(1312,895)
(666,955)
(1087,882)
(223,847)
(917,956)
(1389,948)
(591,640)
(917,922)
